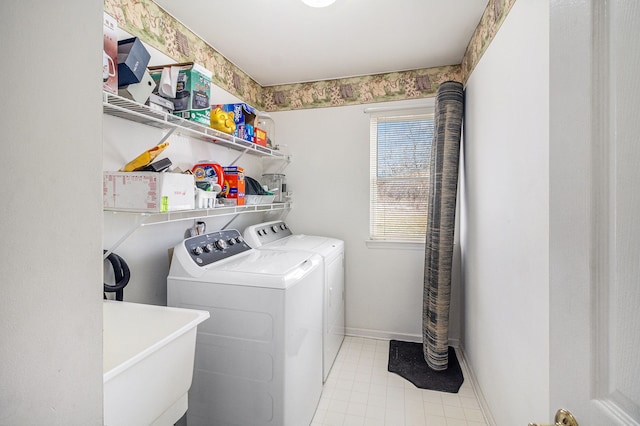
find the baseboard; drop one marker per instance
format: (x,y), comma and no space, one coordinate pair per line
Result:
(387,335)
(382,335)
(468,372)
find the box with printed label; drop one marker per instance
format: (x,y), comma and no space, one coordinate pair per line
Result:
(133,59)
(191,84)
(148,191)
(244,117)
(260,137)
(110,55)
(234,186)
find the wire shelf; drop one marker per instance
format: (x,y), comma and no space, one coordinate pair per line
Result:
(127,109)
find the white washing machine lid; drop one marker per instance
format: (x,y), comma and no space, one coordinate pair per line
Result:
(277,235)
(324,246)
(263,263)
(254,268)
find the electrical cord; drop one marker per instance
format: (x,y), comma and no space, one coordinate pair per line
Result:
(121,274)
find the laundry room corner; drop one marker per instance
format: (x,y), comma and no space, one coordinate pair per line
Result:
(329,179)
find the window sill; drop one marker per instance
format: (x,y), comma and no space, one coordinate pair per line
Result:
(395,244)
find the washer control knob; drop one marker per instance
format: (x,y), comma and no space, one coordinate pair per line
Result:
(209,248)
(283,226)
(239,239)
(232,241)
(274,228)
(197,250)
(221,244)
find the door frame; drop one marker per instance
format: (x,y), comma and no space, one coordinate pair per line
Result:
(582,229)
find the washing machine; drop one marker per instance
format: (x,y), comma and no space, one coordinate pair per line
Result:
(258,358)
(277,235)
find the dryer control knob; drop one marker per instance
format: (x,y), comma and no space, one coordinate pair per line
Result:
(221,244)
(274,228)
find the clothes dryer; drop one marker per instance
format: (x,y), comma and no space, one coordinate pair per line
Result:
(258,358)
(277,235)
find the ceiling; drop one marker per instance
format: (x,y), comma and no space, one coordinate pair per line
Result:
(284,41)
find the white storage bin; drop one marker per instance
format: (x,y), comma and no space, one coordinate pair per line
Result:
(148,191)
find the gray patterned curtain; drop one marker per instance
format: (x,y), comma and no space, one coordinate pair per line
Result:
(445,151)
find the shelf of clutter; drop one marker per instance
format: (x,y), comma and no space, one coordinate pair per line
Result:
(128,109)
(155,218)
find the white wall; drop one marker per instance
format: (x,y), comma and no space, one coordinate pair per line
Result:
(505,218)
(51,304)
(329,177)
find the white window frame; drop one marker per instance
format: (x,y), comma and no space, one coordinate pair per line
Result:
(398,241)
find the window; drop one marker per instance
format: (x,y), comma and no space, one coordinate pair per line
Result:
(399,171)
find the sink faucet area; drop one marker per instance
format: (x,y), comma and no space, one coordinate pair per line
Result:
(148,354)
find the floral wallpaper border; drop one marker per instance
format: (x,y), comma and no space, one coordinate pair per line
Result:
(494,15)
(419,83)
(148,21)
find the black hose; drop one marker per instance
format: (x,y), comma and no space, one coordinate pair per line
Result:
(121,275)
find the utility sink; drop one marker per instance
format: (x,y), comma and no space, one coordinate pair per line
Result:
(148,354)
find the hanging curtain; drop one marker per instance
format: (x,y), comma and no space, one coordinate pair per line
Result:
(445,151)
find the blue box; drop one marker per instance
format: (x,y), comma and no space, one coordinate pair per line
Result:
(244,117)
(133,59)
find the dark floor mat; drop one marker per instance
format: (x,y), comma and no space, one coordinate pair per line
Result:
(406,359)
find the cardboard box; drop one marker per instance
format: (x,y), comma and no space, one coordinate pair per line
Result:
(148,191)
(133,59)
(244,117)
(138,92)
(110,55)
(234,186)
(193,91)
(260,137)
(159,103)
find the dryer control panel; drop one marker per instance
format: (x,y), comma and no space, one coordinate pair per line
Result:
(265,233)
(215,246)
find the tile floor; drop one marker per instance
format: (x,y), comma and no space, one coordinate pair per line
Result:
(361,392)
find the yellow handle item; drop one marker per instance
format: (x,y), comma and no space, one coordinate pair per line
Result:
(144,158)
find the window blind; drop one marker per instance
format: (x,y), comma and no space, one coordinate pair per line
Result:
(399,175)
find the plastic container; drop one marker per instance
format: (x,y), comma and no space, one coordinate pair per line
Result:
(266,124)
(259,199)
(208,171)
(276,182)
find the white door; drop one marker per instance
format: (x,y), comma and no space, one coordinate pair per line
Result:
(595,210)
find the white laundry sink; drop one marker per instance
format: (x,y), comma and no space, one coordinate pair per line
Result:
(148,354)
